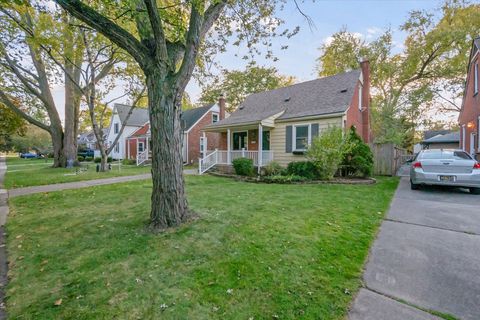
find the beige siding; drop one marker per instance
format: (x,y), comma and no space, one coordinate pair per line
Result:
(277,138)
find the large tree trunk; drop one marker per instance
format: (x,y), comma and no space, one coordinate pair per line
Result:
(169,204)
(70,139)
(59,159)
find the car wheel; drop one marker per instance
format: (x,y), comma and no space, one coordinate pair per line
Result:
(414,186)
(475,190)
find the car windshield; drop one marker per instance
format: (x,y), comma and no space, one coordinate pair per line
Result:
(445,155)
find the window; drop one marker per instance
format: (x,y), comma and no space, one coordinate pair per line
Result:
(240,140)
(475,81)
(301,137)
(117,147)
(115,128)
(214,117)
(141,147)
(360,96)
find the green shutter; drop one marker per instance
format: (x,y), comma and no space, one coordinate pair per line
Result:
(288,139)
(314,130)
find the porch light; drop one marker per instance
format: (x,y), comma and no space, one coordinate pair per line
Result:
(471,125)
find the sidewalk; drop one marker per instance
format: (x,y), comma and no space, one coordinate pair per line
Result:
(3,250)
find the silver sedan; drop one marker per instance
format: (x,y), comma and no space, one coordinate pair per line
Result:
(447,168)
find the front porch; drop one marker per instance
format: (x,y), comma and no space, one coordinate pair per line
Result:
(248,141)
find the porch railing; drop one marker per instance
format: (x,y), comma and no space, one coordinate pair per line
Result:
(226,157)
(142,157)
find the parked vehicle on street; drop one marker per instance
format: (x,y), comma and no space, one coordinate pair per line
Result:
(445,167)
(30,155)
(86,153)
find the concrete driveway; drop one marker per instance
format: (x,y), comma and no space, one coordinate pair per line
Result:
(426,258)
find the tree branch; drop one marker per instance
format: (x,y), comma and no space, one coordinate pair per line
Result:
(157,28)
(108,28)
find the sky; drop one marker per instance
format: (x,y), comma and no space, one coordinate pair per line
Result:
(367,18)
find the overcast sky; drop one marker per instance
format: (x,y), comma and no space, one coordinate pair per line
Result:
(367,18)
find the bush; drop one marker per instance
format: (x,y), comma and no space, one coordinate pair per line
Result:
(80,158)
(97,160)
(129,162)
(305,169)
(273,169)
(358,158)
(326,152)
(88,158)
(243,166)
(284,179)
(109,159)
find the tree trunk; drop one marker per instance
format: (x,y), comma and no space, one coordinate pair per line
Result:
(169,204)
(70,139)
(59,159)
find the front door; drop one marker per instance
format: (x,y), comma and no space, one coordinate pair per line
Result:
(240,140)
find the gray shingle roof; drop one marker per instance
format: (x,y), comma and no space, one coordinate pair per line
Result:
(477,42)
(432,133)
(316,97)
(189,117)
(444,138)
(138,118)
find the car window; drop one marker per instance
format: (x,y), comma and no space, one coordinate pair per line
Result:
(445,155)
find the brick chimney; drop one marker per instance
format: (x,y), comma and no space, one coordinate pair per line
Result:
(366,131)
(221,103)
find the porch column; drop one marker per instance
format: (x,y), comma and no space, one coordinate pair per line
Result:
(205,144)
(136,139)
(128,148)
(146,145)
(228,147)
(260,147)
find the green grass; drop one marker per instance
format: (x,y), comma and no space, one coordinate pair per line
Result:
(35,172)
(256,250)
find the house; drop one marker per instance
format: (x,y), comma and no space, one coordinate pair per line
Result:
(469,118)
(87,140)
(279,125)
(446,140)
(136,120)
(195,142)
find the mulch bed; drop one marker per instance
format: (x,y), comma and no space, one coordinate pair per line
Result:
(336,180)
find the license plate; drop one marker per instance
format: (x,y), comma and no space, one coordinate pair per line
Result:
(446,178)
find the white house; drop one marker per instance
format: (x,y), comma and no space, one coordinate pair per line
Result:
(136,120)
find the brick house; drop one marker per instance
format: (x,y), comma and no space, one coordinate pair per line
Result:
(194,140)
(278,125)
(469,118)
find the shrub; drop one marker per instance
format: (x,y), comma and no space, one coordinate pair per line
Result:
(128,162)
(97,160)
(273,169)
(358,158)
(326,152)
(305,169)
(109,159)
(80,158)
(88,158)
(284,179)
(243,166)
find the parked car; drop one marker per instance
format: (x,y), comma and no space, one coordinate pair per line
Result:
(445,167)
(30,155)
(86,153)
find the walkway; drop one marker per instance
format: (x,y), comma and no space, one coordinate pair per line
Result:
(425,258)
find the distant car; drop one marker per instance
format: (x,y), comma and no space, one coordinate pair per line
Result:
(445,167)
(29,155)
(86,153)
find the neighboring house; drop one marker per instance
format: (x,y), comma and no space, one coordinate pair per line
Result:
(450,140)
(194,141)
(87,140)
(469,118)
(136,120)
(281,123)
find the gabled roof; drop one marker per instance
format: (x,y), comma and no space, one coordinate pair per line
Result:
(137,119)
(322,96)
(190,117)
(444,138)
(432,133)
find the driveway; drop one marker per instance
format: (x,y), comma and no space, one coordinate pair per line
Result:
(426,258)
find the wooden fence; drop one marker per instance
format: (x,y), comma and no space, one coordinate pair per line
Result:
(388,158)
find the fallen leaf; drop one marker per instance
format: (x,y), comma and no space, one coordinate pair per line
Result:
(58,302)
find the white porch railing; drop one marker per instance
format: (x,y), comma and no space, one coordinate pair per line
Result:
(226,157)
(142,157)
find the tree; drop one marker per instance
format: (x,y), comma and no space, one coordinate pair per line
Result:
(237,85)
(406,85)
(33,138)
(166,42)
(326,152)
(358,158)
(10,124)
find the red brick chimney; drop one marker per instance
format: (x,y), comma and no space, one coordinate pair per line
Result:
(366,132)
(221,103)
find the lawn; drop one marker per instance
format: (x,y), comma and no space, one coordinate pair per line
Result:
(35,172)
(256,251)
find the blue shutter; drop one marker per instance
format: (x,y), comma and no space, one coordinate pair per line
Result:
(314,130)
(288,139)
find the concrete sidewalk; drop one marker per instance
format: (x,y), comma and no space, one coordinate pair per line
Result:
(3,249)
(425,258)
